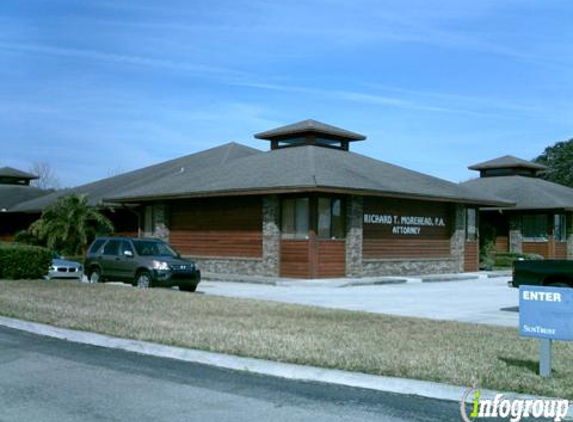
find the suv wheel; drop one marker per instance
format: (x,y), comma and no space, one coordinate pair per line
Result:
(95,275)
(143,280)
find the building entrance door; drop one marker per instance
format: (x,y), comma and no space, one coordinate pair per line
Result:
(312,244)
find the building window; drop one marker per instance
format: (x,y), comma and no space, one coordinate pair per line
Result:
(535,227)
(559,227)
(295,218)
(471,225)
(323,214)
(330,218)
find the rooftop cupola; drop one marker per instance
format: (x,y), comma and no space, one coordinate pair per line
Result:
(508,165)
(310,132)
(11,176)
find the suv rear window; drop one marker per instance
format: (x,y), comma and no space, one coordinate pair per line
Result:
(96,245)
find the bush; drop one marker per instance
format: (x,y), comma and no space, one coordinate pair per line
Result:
(505,259)
(19,261)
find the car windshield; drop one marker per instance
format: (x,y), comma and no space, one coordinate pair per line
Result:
(153,248)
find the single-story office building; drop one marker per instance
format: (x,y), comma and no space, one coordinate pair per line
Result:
(541,219)
(310,208)
(307,207)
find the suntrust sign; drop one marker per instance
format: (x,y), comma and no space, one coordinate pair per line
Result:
(404,224)
(546,312)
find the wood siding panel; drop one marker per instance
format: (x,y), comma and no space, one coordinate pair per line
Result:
(218,227)
(471,256)
(331,258)
(295,259)
(406,248)
(502,243)
(560,250)
(540,248)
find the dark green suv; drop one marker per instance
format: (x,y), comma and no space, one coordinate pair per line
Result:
(142,262)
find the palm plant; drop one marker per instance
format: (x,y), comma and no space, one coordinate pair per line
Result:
(69,224)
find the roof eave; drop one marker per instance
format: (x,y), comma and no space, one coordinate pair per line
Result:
(308,189)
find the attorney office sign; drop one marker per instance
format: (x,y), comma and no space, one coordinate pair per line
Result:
(405,224)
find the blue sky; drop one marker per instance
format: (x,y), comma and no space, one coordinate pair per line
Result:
(95,87)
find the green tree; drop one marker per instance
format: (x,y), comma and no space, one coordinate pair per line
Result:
(69,224)
(559,160)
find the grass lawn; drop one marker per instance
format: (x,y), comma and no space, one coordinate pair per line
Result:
(439,351)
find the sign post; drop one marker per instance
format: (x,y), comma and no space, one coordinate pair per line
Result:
(545,355)
(546,313)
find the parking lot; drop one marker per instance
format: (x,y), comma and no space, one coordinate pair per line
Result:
(474,301)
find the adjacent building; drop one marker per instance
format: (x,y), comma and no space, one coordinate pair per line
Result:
(14,189)
(540,221)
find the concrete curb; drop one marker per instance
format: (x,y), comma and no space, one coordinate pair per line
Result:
(377,282)
(259,366)
(439,278)
(236,278)
(352,282)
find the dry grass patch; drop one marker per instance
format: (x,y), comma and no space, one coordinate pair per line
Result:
(356,341)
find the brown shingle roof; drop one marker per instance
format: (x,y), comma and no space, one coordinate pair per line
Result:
(13,173)
(307,168)
(12,195)
(507,161)
(310,126)
(528,193)
(112,186)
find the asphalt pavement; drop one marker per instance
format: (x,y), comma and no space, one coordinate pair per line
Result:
(46,379)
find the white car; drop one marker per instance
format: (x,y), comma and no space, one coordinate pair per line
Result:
(64,268)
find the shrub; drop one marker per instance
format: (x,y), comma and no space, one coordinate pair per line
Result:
(505,259)
(19,261)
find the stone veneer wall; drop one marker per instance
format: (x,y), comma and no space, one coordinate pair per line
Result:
(242,266)
(271,236)
(458,239)
(515,236)
(354,236)
(400,267)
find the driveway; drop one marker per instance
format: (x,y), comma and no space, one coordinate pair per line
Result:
(475,301)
